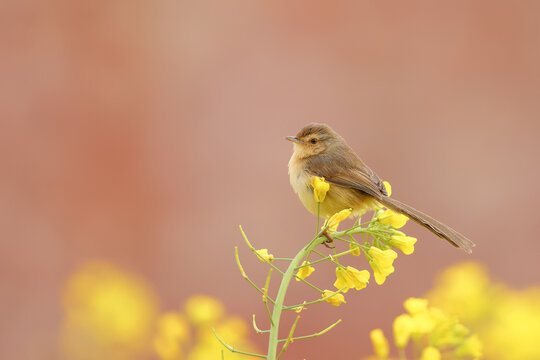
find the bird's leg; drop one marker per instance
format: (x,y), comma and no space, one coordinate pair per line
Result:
(329,240)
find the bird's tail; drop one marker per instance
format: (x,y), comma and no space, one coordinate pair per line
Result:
(436,227)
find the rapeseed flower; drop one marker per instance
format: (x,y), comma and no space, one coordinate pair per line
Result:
(305,271)
(402,326)
(380,344)
(388,187)
(381,263)
(263,254)
(349,278)
(335,219)
(403,243)
(392,218)
(320,188)
(336,299)
(108,314)
(202,309)
(431,353)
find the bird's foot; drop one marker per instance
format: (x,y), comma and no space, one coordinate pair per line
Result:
(329,243)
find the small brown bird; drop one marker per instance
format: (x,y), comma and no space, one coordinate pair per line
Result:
(320,151)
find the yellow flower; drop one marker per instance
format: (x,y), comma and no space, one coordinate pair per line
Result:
(173,326)
(355,249)
(232,329)
(403,243)
(403,326)
(108,313)
(388,187)
(320,188)
(167,349)
(392,218)
(423,319)
(471,347)
(335,300)
(381,263)
(263,254)
(415,306)
(335,219)
(464,290)
(351,278)
(430,353)
(380,344)
(202,309)
(305,271)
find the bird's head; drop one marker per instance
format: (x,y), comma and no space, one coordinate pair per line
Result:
(313,139)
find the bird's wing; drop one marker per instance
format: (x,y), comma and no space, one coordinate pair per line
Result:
(356,176)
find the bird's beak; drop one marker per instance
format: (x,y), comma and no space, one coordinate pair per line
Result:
(293,139)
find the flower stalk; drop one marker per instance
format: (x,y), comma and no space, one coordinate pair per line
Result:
(377,251)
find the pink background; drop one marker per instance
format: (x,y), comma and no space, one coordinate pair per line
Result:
(142,133)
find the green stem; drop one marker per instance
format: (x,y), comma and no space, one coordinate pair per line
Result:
(278,306)
(318,217)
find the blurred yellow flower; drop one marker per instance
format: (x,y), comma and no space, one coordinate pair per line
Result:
(471,347)
(173,326)
(431,353)
(263,254)
(403,243)
(167,349)
(335,300)
(464,291)
(381,263)
(380,344)
(203,314)
(305,271)
(172,330)
(415,306)
(433,331)
(402,326)
(348,278)
(335,219)
(108,314)
(320,188)
(233,330)
(202,309)
(392,218)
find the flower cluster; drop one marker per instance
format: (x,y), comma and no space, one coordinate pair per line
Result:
(112,314)
(378,238)
(434,333)
(189,333)
(108,314)
(506,320)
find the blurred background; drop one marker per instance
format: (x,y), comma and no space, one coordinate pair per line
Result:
(138,135)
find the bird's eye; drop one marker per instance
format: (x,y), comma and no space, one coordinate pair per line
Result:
(313,141)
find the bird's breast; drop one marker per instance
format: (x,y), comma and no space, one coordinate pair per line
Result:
(337,198)
(301,183)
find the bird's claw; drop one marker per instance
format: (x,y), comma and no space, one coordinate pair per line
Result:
(329,243)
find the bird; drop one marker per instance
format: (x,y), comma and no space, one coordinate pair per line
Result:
(319,151)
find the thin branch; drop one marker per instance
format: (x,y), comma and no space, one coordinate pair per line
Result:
(316,334)
(230,348)
(307,283)
(314,301)
(259,331)
(289,338)
(265,296)
(244,275)
(255,251)
(324,258)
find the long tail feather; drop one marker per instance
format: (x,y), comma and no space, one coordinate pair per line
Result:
(435,226)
